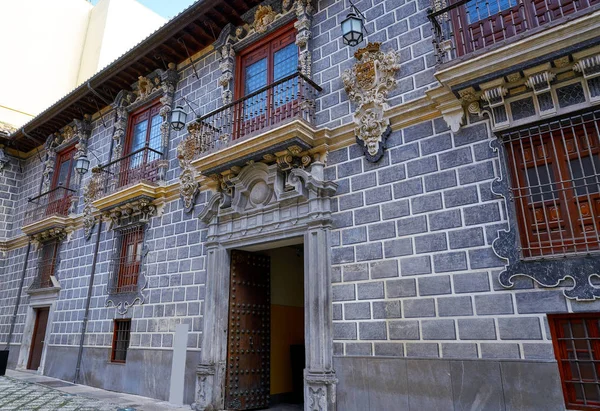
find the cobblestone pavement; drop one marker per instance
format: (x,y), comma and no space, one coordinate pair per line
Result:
(27,396)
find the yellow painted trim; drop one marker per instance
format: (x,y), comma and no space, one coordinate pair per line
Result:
(526,49)
(128,193)
(47,223)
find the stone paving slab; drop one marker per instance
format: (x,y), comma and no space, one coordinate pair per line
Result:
(28,396)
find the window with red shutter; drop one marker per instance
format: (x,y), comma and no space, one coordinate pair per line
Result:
(576,339)
(121,337)
(555,178)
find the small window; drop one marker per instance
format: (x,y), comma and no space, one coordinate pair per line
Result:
(121,334)
(576,339)
(555,177)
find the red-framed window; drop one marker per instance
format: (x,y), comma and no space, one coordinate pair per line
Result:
(264,66)
(142,146)
(63,183)
(555,177)
(576,339)
(47,263)
(120,343)
(129,259)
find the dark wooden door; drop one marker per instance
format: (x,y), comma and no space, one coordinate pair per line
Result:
(37,342)
(248,350)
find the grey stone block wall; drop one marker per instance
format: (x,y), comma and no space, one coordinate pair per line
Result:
(397,25)
(417,265)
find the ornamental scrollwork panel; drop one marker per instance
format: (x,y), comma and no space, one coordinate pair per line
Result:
(546,272)
(367,85)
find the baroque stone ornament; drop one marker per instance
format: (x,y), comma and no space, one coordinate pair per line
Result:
(367,85)
(188,185)
(263,16)
(259,203)
(546,272)
(91,191)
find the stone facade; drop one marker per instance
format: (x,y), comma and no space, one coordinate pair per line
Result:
(413,303)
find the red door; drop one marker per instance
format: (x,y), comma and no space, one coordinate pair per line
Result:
(248,349)
(37,342)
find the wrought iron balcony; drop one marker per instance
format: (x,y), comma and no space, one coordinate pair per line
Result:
(143,165)
(56,202)
(292,97)
(462,27)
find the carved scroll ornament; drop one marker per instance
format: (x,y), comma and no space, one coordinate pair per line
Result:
(367,85)
(186,152)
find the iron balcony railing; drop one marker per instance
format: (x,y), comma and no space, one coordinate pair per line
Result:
(55,202)
(292,97)
(461,27)
(141,165)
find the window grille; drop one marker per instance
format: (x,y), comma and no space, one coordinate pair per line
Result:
(127,260)
(46,264)
(555,171)
(121,334)
(576,339)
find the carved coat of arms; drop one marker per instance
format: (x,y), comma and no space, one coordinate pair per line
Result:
(367,85)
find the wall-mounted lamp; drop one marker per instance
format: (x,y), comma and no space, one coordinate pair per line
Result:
(353,26)
(82,163)
(179,116)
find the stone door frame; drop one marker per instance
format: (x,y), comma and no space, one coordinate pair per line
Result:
(301,211)
(35,302)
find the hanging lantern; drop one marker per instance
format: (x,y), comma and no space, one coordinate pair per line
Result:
(352,29)
(82,164)
(178,118)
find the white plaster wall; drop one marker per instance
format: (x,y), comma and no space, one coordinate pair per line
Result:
(50,47)
(40,44)
(115,27)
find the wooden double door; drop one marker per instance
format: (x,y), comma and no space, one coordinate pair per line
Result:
(37,340)
(248,348)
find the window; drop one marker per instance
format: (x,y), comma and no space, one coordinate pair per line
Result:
(63,183)
(128,259)
(46,264)
(121,334)
(555,176)
(480,9)
(268,65)
(576,339)
(142,146)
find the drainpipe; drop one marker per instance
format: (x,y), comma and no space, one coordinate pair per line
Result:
(14,317)
(87,302)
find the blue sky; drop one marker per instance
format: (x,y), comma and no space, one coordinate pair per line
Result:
(166,8)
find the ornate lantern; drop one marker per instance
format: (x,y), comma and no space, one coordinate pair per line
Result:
(178,118)
(352,29)
(82,164)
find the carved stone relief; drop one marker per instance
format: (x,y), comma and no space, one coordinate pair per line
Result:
(367,85)
(188,185)
(91,192)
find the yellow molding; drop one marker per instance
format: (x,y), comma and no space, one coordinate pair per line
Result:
(126,194)
(295,128)
(54,221)
(526,49)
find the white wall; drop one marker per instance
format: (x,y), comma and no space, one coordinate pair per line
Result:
(115,27)
(40,41)
(50,47)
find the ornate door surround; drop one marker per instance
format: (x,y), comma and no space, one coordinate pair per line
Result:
(263,204)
